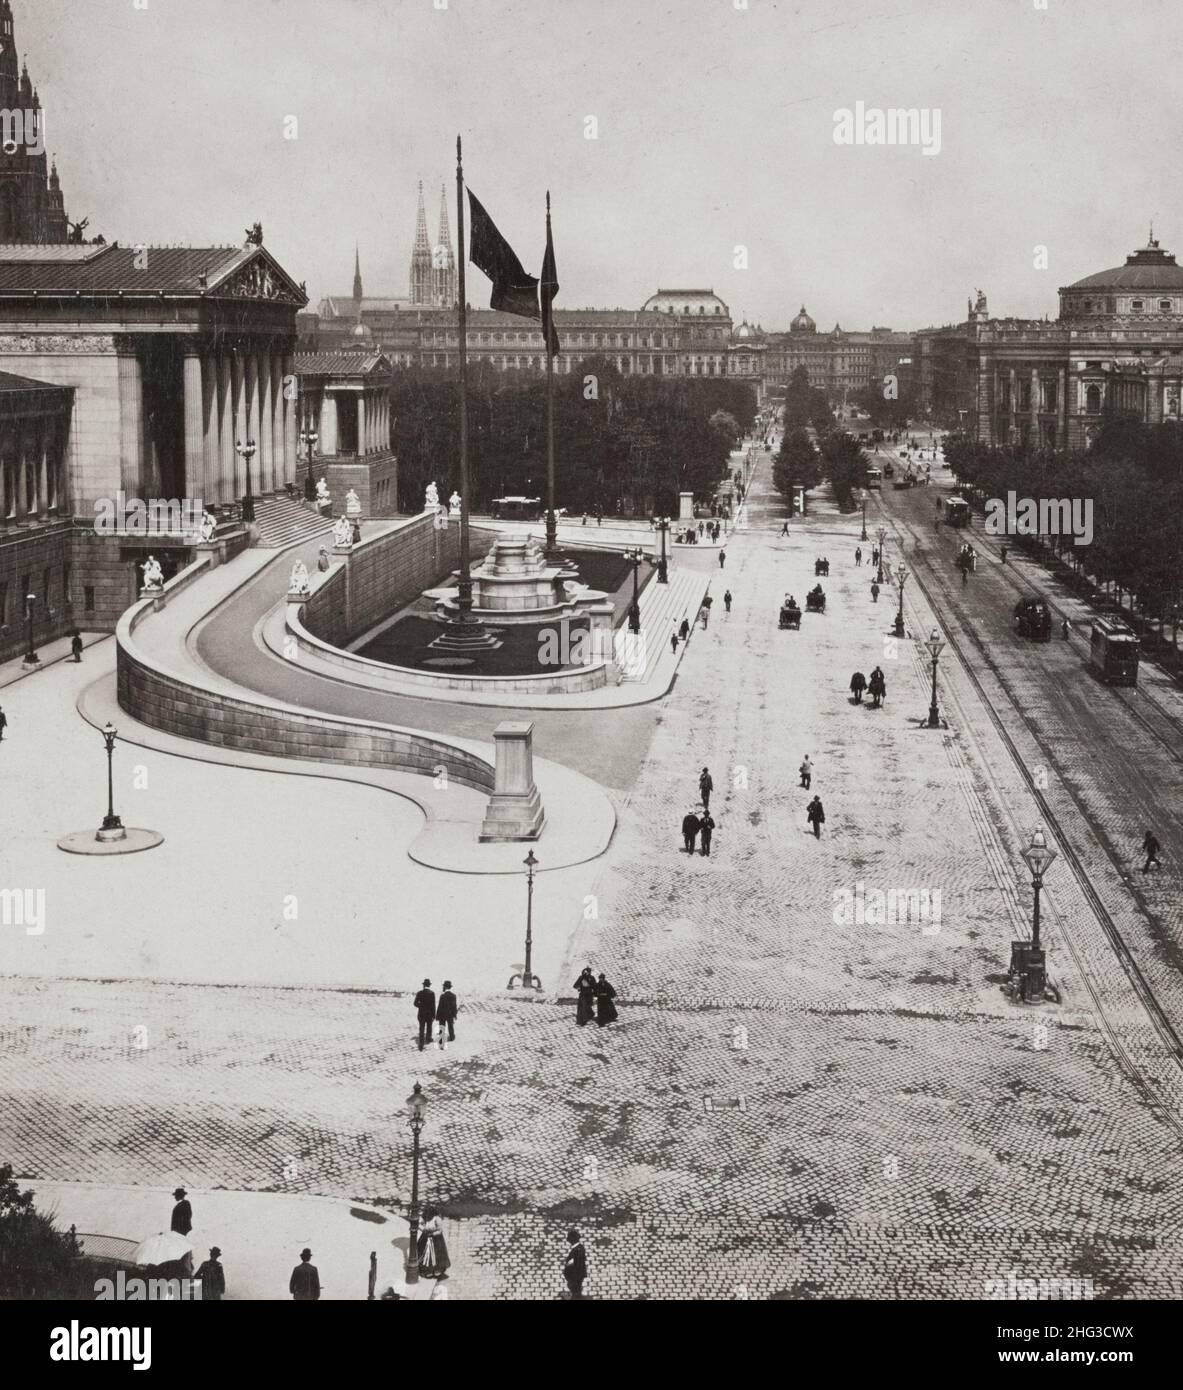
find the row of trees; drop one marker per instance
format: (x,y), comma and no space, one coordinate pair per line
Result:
(621,442)
(837,456)
(1133,478)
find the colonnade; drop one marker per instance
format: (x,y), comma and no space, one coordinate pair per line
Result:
(32,469)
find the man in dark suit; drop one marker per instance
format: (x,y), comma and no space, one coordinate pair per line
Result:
(425,1008)
(212,1277)
(446,1012)
(3,724)
(304,1285)
(690,828)
(575,1265)
(182,1221)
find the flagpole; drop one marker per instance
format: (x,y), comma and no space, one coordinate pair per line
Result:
(464,597)
(551,528)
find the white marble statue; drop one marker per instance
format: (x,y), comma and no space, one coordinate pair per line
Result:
(454,503)
(352,503)
(431,499)
(298,583)
(322,492)
(342,531)
(209,524)
(153,574)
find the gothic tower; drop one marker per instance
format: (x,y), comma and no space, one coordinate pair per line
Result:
(357,294)
(443,262)
(421,259)
(31,207)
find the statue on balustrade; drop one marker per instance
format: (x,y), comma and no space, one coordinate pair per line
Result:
(298,583)
(343,531)
(153,574)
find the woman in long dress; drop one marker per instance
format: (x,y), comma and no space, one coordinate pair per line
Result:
(605,1008)
(585,1009)
(433,1249)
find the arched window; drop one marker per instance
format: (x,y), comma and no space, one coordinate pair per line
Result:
(1092,399)
(1165,305)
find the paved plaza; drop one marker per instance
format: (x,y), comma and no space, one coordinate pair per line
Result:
(795,1101)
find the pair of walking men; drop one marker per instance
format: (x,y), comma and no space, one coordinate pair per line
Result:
(429,1012)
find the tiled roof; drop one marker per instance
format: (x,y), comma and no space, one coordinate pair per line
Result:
(166,269)
(340,363)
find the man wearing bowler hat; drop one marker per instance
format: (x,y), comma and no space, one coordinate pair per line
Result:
(182,1221)
(304,1285)
(212,1277)
(425,1010)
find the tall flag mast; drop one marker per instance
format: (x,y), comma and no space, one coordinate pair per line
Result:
(548,289)
(464,596)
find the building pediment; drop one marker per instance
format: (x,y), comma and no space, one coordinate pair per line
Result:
(259,276)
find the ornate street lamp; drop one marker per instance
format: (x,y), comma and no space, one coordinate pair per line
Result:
(935,645)
(246,452)
(417,1112)
(882,543)
(527,978)
(112,827)
(663,573)
(1038,857)
(634,612)
(901,574)
(31,657)
(864,535)
(308,438)
(1028,963)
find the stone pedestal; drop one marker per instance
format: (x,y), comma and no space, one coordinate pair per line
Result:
(602,619)
(685,506)
(515,808)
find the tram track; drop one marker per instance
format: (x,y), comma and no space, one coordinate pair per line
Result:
(941,593)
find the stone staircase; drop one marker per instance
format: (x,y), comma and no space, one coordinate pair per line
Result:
(283,521)
(663,606)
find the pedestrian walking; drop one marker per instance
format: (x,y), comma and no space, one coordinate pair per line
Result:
(874,592)
(1065,629)
(816,816)
(76,646)
(858,555)
(605,1008)
(784,530)
(3,723)
(433,1249)
(182,1217)
(684,630)
(446,1011)
(674,641)
(877,687)
(1004,554)
(706,828)
(727,600)
(690,824)
(599,518)
(705,787)
(1151,846)
(212,1277)
(425,1011)
(584,521)
(585,1005)
(722,558)
(575,1265)
(858,683)
(964,575)
(304,1285)
(701,527)
(806,770)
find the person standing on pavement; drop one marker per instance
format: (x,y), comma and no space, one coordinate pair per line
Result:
(446,1011)
(1003,552)
(874,592)
(575,1265)
(585,987)
(816,816)
(425,1012)
(605,1008)
(705,786)
(674,642)
(182,1217)
(806,771)
(858,683)
(706,828)
(858,555)
(684,630)
(727,601)
(722,558)
(304,1285)
(434,1259)
(212,1277)
(3,723)
(690,826)
(1151,846)
(76,646)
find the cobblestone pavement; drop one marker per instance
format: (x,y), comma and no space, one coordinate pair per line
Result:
(793,1102)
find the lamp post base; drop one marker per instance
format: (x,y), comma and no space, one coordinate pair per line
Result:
(898,630)
(31,659)
(248,509)
(525,980)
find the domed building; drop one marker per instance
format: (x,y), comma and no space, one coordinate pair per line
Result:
(802,323)
(1117,345)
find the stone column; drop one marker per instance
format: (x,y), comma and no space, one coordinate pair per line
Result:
(1034,417)
(210,461)
(241,421)
(1062,407)
(41,463)
(363,420)
(278,386)
(131,425)
(263,411)
(515,809)
(194,434)
(225,427)
(328,425)
(288,468)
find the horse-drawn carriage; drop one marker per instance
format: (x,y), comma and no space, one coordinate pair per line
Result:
(815,600)
(790,614)
(821,567)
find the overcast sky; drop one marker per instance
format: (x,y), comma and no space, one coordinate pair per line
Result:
(715,130)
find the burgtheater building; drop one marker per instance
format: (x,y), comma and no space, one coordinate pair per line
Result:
(1117,345)
(132,373)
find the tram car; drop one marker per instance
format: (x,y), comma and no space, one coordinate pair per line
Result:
(1033,618)
(517,508)
(1113,652)
(957,512)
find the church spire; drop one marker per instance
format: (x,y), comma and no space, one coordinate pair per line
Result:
(357,294)
(445,237)
(421,257)
(422,245)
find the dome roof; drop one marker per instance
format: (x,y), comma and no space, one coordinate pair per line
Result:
(744,330)
(803,323)
(1150,268)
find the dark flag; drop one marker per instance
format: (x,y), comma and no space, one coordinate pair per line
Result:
(548,290)
(514,292)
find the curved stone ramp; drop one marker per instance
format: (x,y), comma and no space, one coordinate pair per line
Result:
(180,706)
